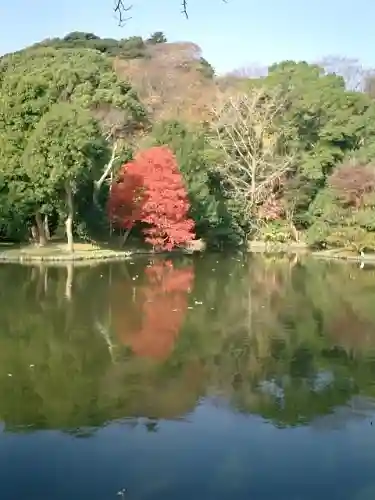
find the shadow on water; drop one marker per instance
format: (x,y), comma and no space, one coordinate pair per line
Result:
(201,377)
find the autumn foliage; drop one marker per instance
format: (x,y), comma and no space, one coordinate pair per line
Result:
(170,82)
(150,190)
(271,209)
(353,182)
(161,304)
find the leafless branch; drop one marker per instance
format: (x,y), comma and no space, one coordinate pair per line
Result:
(184,7)
(352,71)
(108,168)
(121,11)
(251,71)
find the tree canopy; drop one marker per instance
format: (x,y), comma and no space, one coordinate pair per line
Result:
(51,128)
(272,155)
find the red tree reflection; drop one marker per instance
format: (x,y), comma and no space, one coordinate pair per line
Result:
(150,323)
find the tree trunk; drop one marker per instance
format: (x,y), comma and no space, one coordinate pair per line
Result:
(42,239)
(34,234)
(125,237)
(110,219)
(108,169)
(69,218)
(46,228)
(294,232)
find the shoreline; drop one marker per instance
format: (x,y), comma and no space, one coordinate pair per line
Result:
(57,253)
(326,255)
(335,254)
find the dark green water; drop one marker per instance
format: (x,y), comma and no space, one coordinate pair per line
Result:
(207,378)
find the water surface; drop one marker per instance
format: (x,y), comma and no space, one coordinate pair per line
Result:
(194,378)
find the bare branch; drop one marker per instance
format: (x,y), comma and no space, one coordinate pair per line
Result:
(108,168)
(120,130)
(351,70)
(255,157)
(251,71)
(121,10)
(184,7)
(115,122)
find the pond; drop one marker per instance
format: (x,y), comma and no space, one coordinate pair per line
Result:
(209,377)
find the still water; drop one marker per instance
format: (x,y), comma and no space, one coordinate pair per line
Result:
(194,378)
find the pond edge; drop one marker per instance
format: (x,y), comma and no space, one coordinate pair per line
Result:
(102,255)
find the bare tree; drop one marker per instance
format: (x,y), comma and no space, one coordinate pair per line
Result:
(255,156)
(369,87)
(251,71)
(240,76)
(352,71)
(121,10)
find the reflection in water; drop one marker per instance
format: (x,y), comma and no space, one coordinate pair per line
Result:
(204,373)
(161,302)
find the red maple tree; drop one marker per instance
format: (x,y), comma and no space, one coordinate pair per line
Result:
(124,203)
(151,190)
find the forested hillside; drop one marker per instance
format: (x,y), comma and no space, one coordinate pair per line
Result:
(286,156)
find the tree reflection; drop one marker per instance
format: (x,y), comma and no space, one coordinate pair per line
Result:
(161,302)
(288,340)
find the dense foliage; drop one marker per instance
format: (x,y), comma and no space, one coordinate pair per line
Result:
(284,157)
(151,190)
(52,128)
(127,48)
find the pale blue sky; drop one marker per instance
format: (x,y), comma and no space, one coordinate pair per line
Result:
(231,35)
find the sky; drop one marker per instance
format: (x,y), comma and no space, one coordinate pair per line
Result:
(232,35)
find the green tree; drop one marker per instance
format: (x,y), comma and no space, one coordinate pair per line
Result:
(63,151)
(206,68)
(127,48)
(157,37)
(323,123)
(32,82)
(343,212)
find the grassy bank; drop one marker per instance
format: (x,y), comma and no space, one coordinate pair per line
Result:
(303,248)
(58,252)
